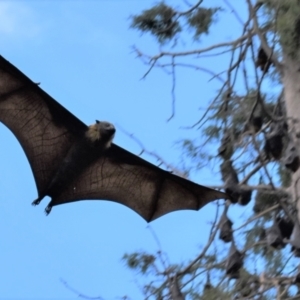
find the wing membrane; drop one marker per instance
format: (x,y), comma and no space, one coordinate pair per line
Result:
(44,128)
(125,178)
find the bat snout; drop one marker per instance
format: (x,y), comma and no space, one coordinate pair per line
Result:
(108,128)
(107,132)
(111,130)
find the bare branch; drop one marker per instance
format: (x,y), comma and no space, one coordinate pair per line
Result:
(153,154)
(79,294)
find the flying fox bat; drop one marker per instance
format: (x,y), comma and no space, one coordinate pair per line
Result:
(71,161)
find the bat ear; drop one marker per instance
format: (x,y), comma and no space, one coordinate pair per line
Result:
(97,121)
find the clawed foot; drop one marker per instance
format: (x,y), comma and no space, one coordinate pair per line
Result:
(36,202)
(48,210)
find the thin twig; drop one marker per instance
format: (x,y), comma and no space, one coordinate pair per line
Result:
(79,294)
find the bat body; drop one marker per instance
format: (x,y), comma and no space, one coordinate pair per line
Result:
(81,155)
(71,161)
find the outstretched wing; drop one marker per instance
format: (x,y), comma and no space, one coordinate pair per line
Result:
(44,128)
(123,177)
(46,131)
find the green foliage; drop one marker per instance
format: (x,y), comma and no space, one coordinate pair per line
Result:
(192,152)
(159,21)
(210,293)
(213,131)
(285,16)
(265,199)
(233,112)
(201,19)
(285,176)
(164,22)
(275,261)
(247,284)
(190,147)
(139,261)
(238,127)
(254,235)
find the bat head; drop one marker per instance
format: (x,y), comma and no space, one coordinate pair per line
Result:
(101,131)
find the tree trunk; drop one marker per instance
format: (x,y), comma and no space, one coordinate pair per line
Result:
(291,83)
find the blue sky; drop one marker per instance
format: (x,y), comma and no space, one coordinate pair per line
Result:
(80,52)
